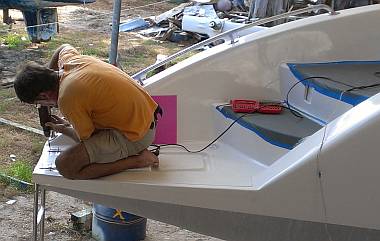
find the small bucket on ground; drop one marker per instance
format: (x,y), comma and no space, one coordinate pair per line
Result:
(111,224)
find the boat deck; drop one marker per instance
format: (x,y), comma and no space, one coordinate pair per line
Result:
(220,165)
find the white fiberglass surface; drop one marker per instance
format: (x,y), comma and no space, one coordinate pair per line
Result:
(250,68)
(220,165)
(350,156)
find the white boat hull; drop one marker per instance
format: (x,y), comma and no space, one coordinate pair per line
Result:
(325,188)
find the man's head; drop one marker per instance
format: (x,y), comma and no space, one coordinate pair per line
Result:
(36,84)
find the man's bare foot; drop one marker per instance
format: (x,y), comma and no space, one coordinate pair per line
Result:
(149,158)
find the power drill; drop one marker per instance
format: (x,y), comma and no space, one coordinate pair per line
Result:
(44,113)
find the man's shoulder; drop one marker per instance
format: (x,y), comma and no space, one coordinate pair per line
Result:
(69,49)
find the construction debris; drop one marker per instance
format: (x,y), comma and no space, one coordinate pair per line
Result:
(171,13)
(82,220)
(133,24)
(10,202)
(12,157)
(201,19)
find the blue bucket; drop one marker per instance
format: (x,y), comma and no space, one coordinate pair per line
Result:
(109,224)
(46,20)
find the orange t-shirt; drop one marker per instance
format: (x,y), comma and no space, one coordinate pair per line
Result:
(96,95)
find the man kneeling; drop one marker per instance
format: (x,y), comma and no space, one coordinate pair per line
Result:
(108,114)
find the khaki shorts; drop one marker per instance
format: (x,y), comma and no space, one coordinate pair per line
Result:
(109,145)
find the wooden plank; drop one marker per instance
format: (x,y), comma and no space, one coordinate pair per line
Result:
(6,15)
(20,126)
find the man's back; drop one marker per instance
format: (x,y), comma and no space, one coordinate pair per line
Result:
(96,95)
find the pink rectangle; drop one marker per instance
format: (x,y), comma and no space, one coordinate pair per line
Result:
(166,132)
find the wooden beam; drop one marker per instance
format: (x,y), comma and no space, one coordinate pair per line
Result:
(6,15)
(20,126)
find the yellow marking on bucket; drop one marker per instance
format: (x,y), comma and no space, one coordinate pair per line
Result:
(118,214)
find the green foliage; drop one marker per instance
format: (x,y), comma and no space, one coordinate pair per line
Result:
(2,178)
(6,93)
(149,42)
(97,52)
(14,40)
(20,170)
(96,48)
(37,146)
(3,107)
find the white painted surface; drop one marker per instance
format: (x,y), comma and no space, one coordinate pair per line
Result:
(250,68)
(223,178)
(246,141)
(202,25)
(220,178)
(350,166)
(318,107)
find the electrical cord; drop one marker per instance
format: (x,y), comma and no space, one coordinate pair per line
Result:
(297,115)
(362,87)
(294,112)
(352,88)
(156,148)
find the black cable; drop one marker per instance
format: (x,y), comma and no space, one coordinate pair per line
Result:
(294,112)
(376,74)
(335,81)
(326,78)
(363,87)
(212,142)
(302,80)
(158,147)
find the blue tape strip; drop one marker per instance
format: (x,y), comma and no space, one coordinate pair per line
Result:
(340,62)
(322,122)
(248,126)
(335,94)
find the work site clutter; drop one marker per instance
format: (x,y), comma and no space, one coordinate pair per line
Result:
(194,21)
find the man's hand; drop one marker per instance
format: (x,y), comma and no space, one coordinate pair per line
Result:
(146,159)
(57,124)
(60,128)
(60,125)
(58,120)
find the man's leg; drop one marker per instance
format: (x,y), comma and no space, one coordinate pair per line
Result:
(74,163)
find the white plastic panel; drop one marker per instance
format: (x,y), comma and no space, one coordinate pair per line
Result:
(219,179)
(350,166)
(318,107)
(250,68)
(219,165)
(247,141)
(230,181)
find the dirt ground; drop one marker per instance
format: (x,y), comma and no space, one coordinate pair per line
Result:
(16,220)
(16,216)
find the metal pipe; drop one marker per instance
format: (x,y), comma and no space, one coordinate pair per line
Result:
(35,212)
(251,10)
(115,31)
(42,224)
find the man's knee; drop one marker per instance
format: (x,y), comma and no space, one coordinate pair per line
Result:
(70,162)
(63,166)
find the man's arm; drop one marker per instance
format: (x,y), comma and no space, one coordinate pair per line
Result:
(60,125)
(53,64)
(64,129)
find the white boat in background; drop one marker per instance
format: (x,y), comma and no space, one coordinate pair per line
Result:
(269,177)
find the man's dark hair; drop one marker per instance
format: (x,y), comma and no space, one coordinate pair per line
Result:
(33,79)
